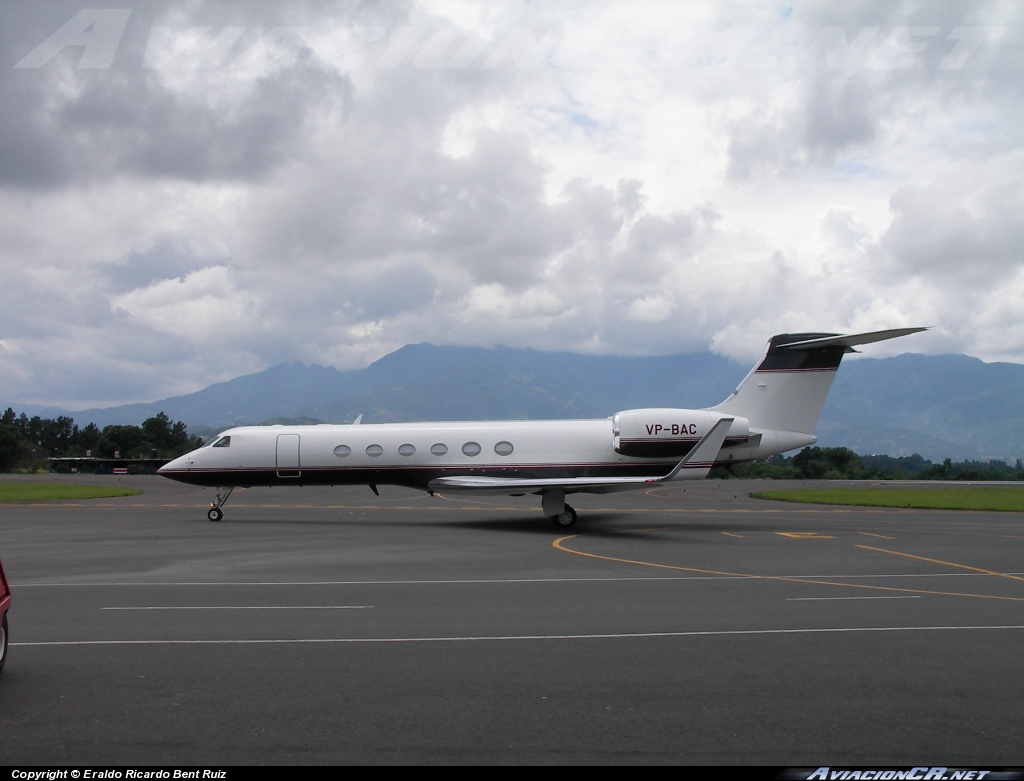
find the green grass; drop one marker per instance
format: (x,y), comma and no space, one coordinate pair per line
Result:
(43,492)
(1004,498)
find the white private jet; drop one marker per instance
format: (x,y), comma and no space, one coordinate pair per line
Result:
(773,410)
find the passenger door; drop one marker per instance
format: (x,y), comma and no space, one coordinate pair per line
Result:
(288,464)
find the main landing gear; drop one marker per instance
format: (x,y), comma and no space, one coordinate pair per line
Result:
(216,513)
(555,508)
(565,519)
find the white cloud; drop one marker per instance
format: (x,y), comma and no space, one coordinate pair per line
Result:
(191,307)
(328,184)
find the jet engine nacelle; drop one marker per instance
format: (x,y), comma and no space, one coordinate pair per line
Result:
(665,433)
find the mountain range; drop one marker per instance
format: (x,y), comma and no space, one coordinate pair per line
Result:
(940,406)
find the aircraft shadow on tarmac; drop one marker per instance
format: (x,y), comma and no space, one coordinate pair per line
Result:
(595,523)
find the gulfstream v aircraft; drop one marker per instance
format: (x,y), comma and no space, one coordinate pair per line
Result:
(773,410)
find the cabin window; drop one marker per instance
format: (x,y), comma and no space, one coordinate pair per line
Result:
(342,450)
(374,450)
(406,450)
(223,442)
(504,448)
(471,449)
(439,449)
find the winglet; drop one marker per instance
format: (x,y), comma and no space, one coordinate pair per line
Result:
(702,457)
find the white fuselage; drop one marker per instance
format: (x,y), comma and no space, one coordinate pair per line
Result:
(413,454)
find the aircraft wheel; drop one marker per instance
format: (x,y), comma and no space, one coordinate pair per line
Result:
(3,643)
(566,519)
(215,514)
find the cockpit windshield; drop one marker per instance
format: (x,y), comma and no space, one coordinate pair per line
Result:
(218,442)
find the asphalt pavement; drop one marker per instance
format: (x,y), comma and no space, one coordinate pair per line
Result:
(686,625)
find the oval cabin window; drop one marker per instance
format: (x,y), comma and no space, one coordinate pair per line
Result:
(406,450)
(439,449)
(342,450)
(374,450)
(471,449)
(504,448)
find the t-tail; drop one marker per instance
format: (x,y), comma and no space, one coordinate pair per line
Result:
(783,395)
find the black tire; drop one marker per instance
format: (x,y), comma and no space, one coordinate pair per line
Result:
(3,643)
(566,520)
(215,514)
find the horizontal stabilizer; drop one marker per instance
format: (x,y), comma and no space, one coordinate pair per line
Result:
(850,340)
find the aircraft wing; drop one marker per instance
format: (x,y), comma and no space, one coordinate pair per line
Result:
(695,465)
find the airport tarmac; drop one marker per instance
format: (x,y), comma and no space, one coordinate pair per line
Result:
(690,625)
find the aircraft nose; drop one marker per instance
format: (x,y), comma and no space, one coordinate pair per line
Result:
(176,465)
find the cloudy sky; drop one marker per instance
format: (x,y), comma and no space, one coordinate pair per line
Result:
(192,191)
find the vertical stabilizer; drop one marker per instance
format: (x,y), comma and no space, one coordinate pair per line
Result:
(787,389)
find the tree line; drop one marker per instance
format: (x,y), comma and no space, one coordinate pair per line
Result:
(840,463)
(26,443)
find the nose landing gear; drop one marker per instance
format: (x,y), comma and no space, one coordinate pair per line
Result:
(215,513)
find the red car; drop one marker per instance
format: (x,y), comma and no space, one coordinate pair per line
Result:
(5,602)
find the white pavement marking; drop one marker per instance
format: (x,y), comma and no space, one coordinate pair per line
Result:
(479,581)
(840,599)
(512,638)
(246,607)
